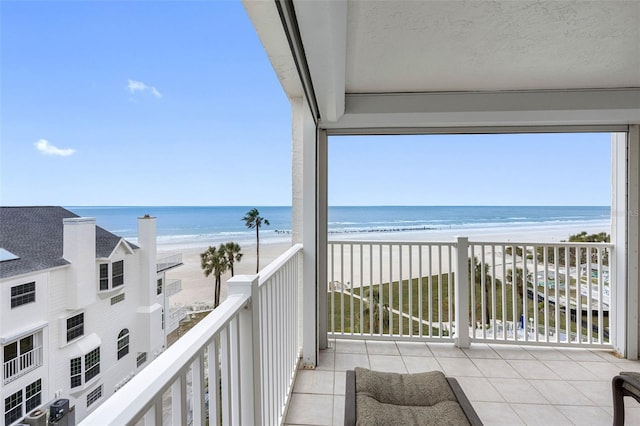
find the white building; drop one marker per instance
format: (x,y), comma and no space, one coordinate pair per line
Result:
(81,309)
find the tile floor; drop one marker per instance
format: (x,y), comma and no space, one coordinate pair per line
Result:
(507,385)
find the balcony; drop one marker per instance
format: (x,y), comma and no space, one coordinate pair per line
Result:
(22,364)
(173,287)
(555,367)
(168,262)
(506,384)
(174,318)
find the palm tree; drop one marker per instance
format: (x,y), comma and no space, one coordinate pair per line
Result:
(214,261)
(232,252)
(519,281)
(253,220)
(479,270)
(372,309)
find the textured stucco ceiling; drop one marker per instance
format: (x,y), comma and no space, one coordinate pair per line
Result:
(426,46)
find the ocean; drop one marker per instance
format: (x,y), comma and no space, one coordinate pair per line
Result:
(202,225)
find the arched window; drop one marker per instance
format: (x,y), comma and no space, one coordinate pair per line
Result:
(123,343)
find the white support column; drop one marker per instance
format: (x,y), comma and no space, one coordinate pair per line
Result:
(462,337)
(306,131)
(322,236)
(620,322)
(249,354)
(633,243)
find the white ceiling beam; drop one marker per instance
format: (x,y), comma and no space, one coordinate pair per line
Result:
(323,29)
(512,108)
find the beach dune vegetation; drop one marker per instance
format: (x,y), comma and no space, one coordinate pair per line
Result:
(253,220)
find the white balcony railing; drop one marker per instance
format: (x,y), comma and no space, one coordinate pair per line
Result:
(247,349)
(174,318)
(507,292)
(22,364)
(168,262)
(173,287)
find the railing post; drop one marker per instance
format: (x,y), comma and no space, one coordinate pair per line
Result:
(249,356)
(462,338)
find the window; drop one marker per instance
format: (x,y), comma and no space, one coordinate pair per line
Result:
(141,358)
(104,276)
(117,299)
(159,287)
(13,407)
(117,273)
(94,395)
(123,343)
(22,356)
(111,275)
(32,397)
(91,367)
(23,294)
(76,372)
(92,364)
(75,327)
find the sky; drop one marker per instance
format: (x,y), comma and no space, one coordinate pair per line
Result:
(176,103)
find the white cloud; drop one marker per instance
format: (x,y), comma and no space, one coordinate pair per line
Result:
(138,86)
(46,148)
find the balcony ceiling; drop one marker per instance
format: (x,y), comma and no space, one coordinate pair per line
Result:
(357,50)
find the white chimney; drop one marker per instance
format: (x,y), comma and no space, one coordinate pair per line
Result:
(79,249)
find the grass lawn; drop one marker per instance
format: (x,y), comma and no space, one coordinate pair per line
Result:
(431,297)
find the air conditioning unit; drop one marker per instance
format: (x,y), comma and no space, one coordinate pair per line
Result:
(37,417)
(58,409)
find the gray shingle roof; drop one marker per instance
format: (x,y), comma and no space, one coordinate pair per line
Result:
(34,234)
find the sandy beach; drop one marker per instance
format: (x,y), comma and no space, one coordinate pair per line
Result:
(197,290)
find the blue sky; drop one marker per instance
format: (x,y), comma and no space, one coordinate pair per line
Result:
(176,103)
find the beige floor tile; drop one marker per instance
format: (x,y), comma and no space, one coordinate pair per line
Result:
(540,415)
(570,370)
(511,352)
(546,353)
(517,391)
(479,389)
(314,381)
(458,367)
(602,370)
(559,392)
(389,363)
(532,369)
(349,361)
(351,346)
(339,381)
(413,349)
(480,351)
(326,361)
(447,350)
(310,409)
(497,414)
(586,416)
(599,392)
(496,368)
(338,410)
(382,348)
(416,364)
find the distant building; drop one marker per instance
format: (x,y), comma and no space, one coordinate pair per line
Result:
(82,310)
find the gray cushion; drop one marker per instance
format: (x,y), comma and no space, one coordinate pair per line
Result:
(406,399)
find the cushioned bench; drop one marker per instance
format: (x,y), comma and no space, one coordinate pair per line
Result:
(378,398)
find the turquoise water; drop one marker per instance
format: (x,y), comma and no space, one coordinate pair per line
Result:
(193,224)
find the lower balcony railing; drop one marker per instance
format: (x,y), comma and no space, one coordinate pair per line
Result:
(22,364)
(498,291)
(236,366)
(173,287)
